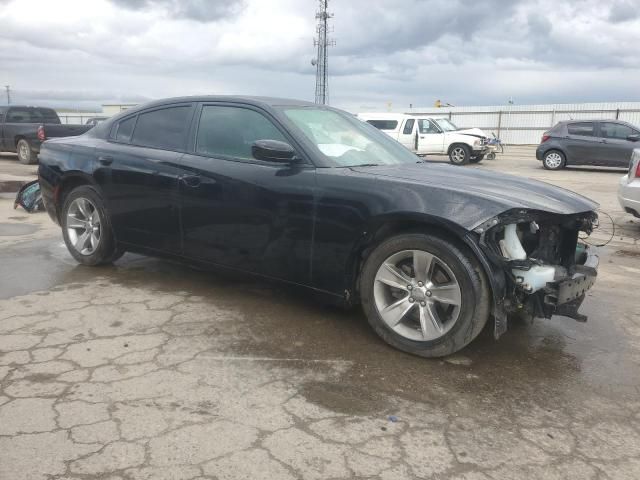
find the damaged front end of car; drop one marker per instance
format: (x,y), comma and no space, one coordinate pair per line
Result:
(547,268)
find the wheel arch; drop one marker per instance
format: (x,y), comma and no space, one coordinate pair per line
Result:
(555,149)
(456,144)
(68,183)
(386,226)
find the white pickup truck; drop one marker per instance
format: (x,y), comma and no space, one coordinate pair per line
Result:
(431,135)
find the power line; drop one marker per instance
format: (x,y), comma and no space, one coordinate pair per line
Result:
(322,42)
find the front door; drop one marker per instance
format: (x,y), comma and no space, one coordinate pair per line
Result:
(138,172)
(240,212)
(615,148)
(430,137)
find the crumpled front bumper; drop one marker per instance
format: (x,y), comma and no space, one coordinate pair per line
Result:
(565,297)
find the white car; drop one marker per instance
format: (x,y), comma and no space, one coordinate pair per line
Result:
(425,135)
(629,187)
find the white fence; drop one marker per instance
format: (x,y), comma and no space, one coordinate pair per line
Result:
(77,118)
(525,124)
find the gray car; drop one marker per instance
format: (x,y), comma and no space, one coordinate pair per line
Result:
(607,143)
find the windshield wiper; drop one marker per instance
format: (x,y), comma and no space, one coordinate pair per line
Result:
(365,165)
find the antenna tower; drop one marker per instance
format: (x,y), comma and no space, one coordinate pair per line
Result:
(322,42)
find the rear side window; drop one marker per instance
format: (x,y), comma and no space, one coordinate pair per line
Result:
(583,129)
(408,127)
(125,129)
(32,115)
(615,130)
(384,124)
(165,129)
(230,131)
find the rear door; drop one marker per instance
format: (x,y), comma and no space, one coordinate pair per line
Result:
(581,144)
(430,137)
(615,148)
(138,172)
(408,134)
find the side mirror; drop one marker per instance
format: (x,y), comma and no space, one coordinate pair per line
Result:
(633,137)
(272,151)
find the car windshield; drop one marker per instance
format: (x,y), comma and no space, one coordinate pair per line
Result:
(446,125)
(345,141)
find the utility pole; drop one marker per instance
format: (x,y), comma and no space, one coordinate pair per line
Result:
(8,89)
(321,61)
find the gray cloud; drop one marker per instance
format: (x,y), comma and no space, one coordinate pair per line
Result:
(200,10)
(463,51)
(624,10)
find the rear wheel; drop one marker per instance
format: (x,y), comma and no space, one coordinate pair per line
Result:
(86,228)
(553,160)
(424,295)
(25,154)
(460,154)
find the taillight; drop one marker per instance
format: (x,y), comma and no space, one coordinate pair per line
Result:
(545,137)
(41,135)
(638,169)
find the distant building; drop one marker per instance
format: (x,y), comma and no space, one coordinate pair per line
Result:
(110,109)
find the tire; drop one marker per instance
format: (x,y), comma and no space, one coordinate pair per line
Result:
(477,159)
(554,160)
(410,334)
(26,155)
(459,154)
(95,224)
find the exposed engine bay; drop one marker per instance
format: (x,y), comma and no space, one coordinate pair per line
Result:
(547,268)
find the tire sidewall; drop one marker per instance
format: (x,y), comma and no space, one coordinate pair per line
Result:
(106,251)
(562,162)
(467,154)
(474,311)
(30,160)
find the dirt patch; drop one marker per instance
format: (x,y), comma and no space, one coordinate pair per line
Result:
(628,253)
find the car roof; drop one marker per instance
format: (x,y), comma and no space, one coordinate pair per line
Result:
(250,100)
(592,120)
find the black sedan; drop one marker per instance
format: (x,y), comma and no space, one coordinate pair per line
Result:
(312,196)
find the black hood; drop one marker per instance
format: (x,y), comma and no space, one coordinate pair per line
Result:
(495,192)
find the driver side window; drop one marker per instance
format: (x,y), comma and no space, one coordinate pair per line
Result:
(230,131)
(427,126)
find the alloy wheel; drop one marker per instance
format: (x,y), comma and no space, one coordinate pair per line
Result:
(458,155)
(83,226)
(553,160)
(417,295)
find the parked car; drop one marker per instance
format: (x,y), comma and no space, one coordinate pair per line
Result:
(629,187)
(425,135)
(23,129)
(312,196)
(95,120)
(607,143)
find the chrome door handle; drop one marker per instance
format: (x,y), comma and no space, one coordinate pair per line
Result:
(105,159)
(191,180)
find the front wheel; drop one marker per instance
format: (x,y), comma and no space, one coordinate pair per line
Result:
(477,159)
(25,154)
(86,228)
(424,295)
(460,154)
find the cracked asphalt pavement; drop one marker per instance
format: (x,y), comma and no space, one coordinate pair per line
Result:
(149,369)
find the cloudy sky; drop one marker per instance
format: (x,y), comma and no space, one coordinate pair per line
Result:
(82,53)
